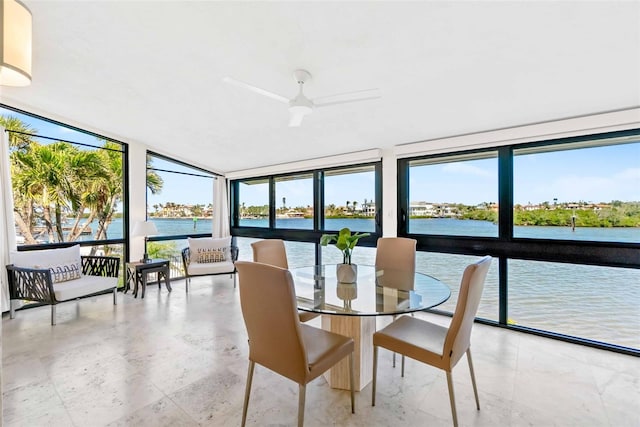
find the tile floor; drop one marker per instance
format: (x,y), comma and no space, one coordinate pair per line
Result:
(181,360)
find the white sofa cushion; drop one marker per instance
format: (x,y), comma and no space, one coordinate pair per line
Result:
(86,285)
(198,268)
(64,263)
(208,248)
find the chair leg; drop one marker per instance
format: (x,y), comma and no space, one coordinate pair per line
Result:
(53,314)
(247,392)
(375,374)
(452,399)
(12,310)
(402,370)
(395,316)
(352,381)
(115,293)
(301,398)
(186,284)
(235,280)
(473,378)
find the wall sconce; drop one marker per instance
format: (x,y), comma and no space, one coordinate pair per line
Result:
(15,44)
(146,229)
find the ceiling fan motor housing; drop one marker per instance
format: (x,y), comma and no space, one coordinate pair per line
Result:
(300,105)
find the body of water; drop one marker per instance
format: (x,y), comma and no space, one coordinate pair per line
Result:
(439,226)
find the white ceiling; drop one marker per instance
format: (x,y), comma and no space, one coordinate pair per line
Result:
(151,72)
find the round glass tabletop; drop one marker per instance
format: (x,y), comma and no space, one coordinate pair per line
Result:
(375,292)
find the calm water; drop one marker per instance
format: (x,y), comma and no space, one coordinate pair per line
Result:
(599,303)
(444,226)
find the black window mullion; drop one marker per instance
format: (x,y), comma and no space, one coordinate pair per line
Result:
(378,189)
(403,197)
(272,203)
(505,226)
(318,210)
(505,193)
(235,203)
(318,200)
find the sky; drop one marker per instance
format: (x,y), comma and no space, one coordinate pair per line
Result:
(598,174)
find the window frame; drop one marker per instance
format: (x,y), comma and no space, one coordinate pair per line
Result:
(161,238)
(506,246)
(303,235)
(124,240)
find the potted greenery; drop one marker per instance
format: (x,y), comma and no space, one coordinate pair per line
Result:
(345,241)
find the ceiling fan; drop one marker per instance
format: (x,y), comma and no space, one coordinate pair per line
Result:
(300,105)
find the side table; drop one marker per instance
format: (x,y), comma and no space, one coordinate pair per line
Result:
(137,273)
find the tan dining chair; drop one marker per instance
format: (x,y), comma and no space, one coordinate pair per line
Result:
(437,345)
(273,252)
(278,340)
(396,255)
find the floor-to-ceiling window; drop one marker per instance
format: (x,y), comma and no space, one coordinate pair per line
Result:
(180,204)
(68,185)
(561,218)
(300,207)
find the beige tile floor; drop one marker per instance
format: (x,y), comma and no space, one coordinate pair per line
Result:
(181,360)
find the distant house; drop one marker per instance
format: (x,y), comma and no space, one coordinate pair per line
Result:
(368,208)
(421,209)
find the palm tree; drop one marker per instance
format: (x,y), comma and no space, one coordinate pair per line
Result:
(23,206)
(18,141)
(53,180)
(45,177)
(154,181)
(90,177)
(110,189)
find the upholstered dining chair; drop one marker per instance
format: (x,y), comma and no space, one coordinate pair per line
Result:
(278,340)
(273,252)
(396,253)
(398,256)
(437,345)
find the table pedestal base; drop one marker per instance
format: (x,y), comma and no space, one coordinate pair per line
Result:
(361,329)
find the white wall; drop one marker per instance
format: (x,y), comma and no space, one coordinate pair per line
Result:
(137,195)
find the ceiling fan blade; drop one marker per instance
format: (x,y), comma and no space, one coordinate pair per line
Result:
(343,98)
(295,120)
(256,89)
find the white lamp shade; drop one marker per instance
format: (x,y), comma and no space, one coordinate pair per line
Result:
(144,228)
(15,44)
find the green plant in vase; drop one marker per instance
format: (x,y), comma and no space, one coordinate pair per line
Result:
(345,241)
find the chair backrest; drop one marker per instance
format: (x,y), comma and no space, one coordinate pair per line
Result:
(270,251)
(397,253)
(396,262)
(459,336)
(268,301)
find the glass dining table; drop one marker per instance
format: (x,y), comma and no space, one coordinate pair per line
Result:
(351,308)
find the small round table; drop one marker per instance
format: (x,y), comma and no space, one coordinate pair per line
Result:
(350,308)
